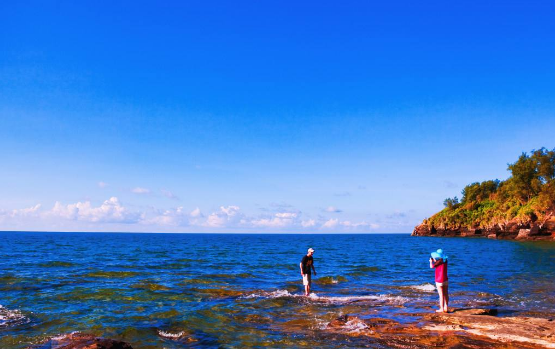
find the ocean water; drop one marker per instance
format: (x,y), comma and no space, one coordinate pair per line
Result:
(245,290)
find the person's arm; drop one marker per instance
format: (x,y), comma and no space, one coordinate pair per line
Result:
(313,268)
(431,262)
(436,262)
(301,265)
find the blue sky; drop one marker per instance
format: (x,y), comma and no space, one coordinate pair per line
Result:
(264,116)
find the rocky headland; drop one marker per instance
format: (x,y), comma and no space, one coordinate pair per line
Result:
(522,207)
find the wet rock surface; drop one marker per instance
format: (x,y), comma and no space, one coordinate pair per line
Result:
(461,328)
(82,341)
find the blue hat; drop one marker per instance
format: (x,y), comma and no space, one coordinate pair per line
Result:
(439,254)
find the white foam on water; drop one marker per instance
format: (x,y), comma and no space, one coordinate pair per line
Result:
(355,326)
(390,299)
(171,335)
(11,317)
(425,287)
(398,300)
(64,336)
(274,294)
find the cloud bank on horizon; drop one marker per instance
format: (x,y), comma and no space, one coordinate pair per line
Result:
(113,214)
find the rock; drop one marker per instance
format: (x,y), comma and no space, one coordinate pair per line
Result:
(347,321)
(525,330)
(525,234)
(490,312)
(421,230)
(463,328)
(82,341)
(512,230)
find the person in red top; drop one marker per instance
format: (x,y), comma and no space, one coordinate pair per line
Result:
(438,261)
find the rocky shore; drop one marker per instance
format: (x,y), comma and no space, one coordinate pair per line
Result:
(462,328)
(510,231)
(82,341)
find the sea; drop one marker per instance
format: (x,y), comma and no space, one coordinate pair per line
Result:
(245,290)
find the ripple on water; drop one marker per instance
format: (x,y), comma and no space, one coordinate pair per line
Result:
(57,264)
(111,274)
(150,286)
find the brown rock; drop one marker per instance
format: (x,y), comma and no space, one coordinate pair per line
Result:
(83,341)
(347,320)
(490,312)
(525,330)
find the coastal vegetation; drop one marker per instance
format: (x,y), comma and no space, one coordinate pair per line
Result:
(525,199)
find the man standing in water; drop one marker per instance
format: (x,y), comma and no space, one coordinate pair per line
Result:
(306,264)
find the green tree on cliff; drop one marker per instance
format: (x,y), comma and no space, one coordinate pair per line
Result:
(526,197)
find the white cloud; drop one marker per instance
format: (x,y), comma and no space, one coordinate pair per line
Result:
(139,190)
(84,216)
(169,194)
(336,223)
(279,220)
(349,224)
(226,217)
(287,215)
(102,184)
(32,211)
(333,209)
(172,217)
(111,211)
(330,224)
(196,213)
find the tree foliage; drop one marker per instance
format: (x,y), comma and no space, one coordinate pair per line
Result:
(527,196)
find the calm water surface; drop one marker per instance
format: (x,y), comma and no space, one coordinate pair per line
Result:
(233,291)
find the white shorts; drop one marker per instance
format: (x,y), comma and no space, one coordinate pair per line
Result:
(307,279)
(445,283)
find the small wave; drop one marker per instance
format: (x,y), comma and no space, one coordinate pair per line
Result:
(171,335)
(354,326)
(390,299)
(397,300)
(424,287)
(274,294)
(10,318)
(61,337)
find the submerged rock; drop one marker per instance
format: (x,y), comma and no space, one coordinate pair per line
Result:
(82,341)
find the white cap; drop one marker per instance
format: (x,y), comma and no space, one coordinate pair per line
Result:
(310,250)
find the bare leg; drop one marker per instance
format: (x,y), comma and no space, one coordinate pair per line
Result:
(306,290)
(440,293)
(446,298)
